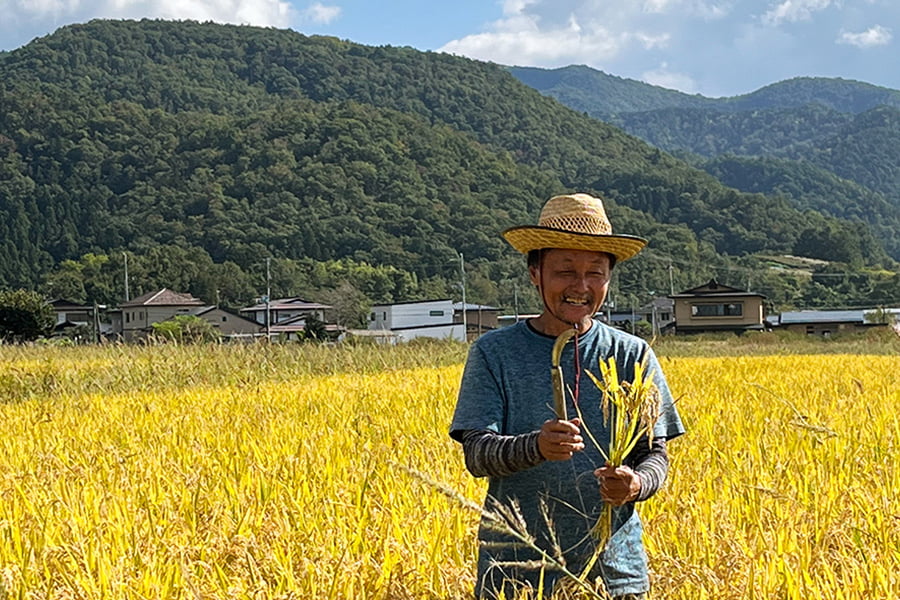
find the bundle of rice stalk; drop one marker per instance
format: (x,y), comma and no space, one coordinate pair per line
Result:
(630,411)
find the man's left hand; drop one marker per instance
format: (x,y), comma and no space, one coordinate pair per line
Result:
(618,485)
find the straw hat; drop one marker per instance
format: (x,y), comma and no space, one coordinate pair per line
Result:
(574,222)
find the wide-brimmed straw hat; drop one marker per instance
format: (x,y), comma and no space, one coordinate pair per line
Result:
(574,222)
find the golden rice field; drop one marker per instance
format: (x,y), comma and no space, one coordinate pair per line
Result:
(272,472)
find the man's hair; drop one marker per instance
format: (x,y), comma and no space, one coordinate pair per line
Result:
(535,256)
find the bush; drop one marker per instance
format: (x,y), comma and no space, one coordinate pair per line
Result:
(24,316)
(185,328)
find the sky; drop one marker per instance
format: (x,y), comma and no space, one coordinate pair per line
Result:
(710,47)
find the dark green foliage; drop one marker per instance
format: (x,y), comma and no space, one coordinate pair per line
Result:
(200,150)
(24,316)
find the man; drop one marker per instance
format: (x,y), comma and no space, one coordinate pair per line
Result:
(548,469)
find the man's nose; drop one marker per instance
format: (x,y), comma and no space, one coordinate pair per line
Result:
(580,283)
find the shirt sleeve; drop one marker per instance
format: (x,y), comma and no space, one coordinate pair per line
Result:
(479,405)
(489,454)
(651,463)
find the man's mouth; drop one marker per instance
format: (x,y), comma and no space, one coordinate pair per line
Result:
(575,301)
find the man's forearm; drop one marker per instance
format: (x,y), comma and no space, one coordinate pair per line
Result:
(489,454)
(651,463)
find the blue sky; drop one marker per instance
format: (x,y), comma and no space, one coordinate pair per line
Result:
(710,47)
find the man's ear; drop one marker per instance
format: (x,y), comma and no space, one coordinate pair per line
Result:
(535,275)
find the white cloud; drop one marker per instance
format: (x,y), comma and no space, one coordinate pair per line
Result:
(520,40)
(663,77)
(873,36)
(545,33)
(319,14)
(790,11)
(276,13)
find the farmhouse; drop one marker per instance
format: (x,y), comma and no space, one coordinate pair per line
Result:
(716,307)
(139,315)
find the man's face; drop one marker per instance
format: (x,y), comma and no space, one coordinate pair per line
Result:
(574,284)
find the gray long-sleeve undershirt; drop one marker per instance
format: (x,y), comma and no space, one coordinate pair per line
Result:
(490,454)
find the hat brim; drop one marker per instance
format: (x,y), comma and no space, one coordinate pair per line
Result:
(528,238)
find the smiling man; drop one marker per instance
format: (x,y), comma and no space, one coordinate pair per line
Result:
(542,467)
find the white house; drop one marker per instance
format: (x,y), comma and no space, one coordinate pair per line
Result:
(410,320)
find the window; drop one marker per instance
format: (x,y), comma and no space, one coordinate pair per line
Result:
(435,313)
(127,317)
(664,316)
(372,317)
(224,319)
(141,315)
(717,310)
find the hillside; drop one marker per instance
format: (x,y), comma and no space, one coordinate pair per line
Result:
(849,130)
(605,96)
(219,146)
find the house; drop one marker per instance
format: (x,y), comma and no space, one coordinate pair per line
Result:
(715,307)
(139,315)
(71,314)
(229,325)
(660,313)
(479,318)
(285,309)
(410,320)
(826,322)
(294,329)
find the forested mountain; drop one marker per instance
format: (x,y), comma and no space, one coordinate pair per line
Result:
(605,96)
(849,130)
(200,150)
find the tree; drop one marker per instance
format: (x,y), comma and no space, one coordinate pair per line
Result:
(350,306)
(24,316)
(185,328)
(314,330)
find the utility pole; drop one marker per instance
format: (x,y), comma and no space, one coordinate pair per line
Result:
(516,299)
(671,280)
(268,298)
(462,276)
(127,295)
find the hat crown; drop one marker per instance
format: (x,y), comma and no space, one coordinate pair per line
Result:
(578,213)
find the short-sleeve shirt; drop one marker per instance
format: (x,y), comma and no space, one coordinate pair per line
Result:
(506,388)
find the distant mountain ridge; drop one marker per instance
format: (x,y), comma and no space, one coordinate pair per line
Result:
(849,130)
(603,95)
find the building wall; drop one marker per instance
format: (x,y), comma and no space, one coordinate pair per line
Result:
(825,329)
(279,316)
(227,324)
(686,315)
(412,314)
(136,320)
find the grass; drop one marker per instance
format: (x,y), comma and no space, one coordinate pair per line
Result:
(266,472)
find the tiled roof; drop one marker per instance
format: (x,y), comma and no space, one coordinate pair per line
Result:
(164,297)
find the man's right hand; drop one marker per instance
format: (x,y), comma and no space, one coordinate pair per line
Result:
(559,440)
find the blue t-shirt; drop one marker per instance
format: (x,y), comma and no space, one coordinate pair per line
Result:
(506,388)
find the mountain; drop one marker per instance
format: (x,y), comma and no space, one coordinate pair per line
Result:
(604,96)
(211,147)
(849,130)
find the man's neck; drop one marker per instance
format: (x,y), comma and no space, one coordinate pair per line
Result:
(551,326)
